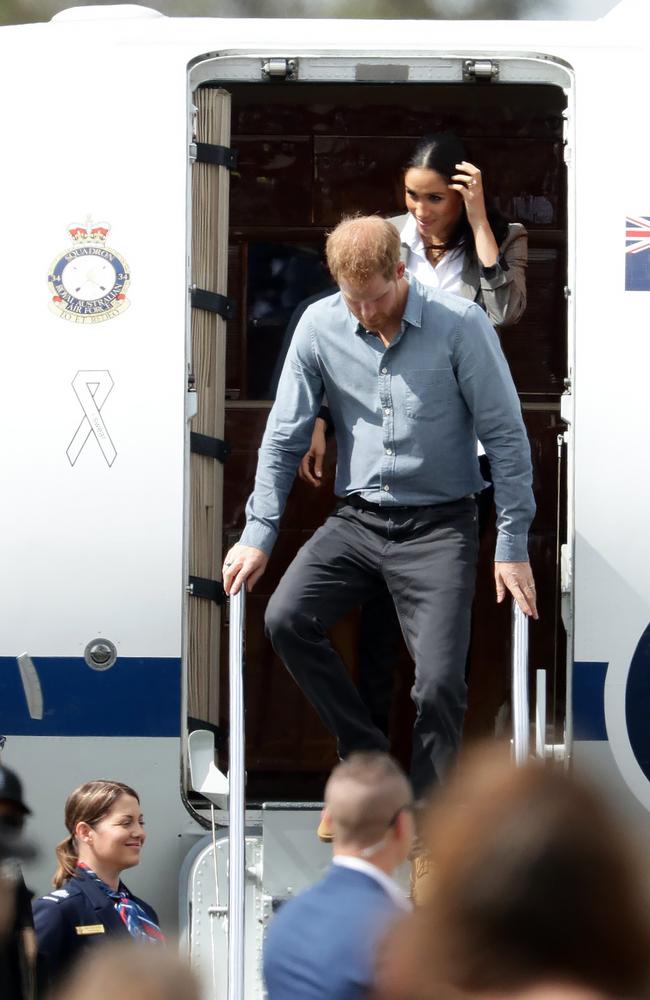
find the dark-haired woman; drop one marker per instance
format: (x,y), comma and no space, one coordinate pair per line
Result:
(452,240)
(89,903)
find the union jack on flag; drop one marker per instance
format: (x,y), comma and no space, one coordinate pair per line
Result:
(637,253)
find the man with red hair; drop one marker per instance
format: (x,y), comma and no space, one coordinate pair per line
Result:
(412,376)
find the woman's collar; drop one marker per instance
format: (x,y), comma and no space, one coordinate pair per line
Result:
(411,235)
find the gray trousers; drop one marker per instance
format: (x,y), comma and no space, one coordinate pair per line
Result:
(426,556)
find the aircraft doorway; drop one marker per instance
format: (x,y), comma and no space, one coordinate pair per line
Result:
(308,153)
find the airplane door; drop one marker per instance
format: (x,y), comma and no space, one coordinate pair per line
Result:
(210,188)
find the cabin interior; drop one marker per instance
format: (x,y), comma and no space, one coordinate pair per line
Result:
(308,154)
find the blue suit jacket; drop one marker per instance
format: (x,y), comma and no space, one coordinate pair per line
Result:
(72,919)
(322,944)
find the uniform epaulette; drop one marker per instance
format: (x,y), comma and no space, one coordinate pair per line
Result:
(56,895)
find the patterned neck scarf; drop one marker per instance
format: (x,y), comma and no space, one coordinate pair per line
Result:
(136,921)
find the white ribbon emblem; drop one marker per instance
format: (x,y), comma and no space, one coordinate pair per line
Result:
(92,390)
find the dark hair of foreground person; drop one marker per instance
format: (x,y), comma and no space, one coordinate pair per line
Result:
(535,882)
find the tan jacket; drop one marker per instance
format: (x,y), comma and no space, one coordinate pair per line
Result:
(501,289)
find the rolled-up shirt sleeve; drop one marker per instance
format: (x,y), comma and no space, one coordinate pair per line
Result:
(486,384)
(503,286)
(286,438)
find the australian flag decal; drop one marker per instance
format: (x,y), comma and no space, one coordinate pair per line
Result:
(637,253)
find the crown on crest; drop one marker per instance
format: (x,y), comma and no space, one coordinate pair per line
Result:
(89,231)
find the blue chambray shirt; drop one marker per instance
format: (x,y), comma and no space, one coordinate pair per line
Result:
(406,416)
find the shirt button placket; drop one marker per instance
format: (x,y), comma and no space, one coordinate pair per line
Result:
(387,406)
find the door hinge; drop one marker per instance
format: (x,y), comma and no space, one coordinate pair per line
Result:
(218,156)
(567,151)
(206,589)
(480,69)
(280,69)
(566,402)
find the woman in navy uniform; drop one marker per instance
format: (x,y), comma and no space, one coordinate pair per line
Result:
(89,903)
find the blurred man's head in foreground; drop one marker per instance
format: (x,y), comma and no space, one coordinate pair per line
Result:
(535,882)
(131,972)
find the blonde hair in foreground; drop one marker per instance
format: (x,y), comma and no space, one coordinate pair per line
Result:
(131,972)
(361,247)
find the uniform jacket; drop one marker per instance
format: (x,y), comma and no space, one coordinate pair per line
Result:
(500,290)
(72,919)
(322,944)
(15,969)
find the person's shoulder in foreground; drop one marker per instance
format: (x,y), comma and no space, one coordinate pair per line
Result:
(323,942)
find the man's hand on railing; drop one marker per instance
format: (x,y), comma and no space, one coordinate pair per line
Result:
(517,577)
(243,563)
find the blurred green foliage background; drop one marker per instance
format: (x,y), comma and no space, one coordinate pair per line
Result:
(25,11)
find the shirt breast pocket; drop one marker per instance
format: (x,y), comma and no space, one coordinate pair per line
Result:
(428,392)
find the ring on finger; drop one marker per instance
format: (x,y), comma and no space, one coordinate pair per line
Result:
(228,563)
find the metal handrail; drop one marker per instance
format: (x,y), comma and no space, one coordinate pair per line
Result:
(520,709)
(236,801)
(540,714)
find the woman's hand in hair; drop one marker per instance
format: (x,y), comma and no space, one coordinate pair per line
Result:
(469,184)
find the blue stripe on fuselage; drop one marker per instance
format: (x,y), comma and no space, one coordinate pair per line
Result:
(588,700)
(137,696)
(637,703)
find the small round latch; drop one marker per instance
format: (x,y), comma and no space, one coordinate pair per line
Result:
(100,654)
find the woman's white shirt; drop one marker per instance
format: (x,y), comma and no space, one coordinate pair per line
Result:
(446,274)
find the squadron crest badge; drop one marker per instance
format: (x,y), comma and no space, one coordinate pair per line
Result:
(88,282)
